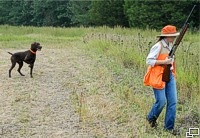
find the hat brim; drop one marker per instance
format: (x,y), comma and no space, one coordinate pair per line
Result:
(175,34)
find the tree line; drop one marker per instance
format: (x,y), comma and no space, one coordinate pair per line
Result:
(125,13)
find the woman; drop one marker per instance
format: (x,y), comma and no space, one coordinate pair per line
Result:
(165,92)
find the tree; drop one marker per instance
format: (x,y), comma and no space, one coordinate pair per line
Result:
(4,11)
(51,13)
(80,10)
(128,13)
(108,12)
(156,14)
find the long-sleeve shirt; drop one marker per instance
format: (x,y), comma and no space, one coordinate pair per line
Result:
(154,52)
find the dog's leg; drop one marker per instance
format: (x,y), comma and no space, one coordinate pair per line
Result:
(31,70)
(13,65)
(19,69)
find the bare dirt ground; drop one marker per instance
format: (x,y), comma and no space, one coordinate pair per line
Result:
(40,107)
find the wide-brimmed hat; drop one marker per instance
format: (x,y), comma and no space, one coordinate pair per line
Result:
(169,30)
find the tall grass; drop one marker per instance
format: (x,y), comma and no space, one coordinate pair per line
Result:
(129,49)
(20,37)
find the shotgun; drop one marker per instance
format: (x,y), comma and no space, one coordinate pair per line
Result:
(166,73)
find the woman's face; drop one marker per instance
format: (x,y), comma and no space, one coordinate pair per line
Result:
(170,39)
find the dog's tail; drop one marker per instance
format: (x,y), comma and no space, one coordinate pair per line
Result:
(10,53)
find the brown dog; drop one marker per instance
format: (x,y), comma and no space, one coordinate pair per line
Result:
(28,57)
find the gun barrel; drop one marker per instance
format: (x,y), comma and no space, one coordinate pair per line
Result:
(189,14)
(182,33)
(165,76)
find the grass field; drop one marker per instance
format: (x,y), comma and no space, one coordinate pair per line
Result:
(103,69)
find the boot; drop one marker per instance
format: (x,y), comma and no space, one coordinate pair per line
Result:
(174,132)
(152,123)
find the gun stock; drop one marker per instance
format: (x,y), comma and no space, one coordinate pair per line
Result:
(166,73)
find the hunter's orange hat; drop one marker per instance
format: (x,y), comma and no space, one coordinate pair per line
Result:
(169,30)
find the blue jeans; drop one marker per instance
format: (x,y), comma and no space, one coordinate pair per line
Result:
(167,95)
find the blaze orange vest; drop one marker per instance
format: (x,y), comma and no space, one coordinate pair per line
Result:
(153,77)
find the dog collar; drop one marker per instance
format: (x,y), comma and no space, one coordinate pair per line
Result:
(32,51)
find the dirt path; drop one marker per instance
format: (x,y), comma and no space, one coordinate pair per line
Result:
(40,106)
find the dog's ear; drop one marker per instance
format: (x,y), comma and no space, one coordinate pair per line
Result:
(33,44)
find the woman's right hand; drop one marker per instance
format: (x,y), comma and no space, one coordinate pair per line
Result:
(168,60)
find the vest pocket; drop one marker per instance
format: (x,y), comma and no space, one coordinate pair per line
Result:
(153,77)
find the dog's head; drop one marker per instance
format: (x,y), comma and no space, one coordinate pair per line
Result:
(36,46)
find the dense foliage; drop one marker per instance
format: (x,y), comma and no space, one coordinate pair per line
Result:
(66,13)
(160,13)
